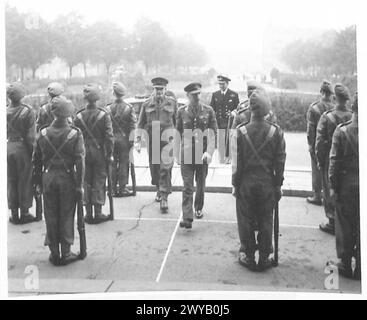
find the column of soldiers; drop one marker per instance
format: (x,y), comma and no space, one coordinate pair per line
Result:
(73,151)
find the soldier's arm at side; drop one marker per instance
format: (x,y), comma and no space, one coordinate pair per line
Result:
(279,161)
(213,126)
(37,164)
(311,131)
(238,163)
(236,101)
(31,130)
(132,121)
(336,154)
(79,160)
(108,135)
(179,128)
(212,102)
(321,140)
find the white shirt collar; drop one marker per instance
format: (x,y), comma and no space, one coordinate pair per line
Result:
(224,92)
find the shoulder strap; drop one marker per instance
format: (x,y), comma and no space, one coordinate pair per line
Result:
(349,139)
(332,118)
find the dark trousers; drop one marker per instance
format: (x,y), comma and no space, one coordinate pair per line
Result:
(254,207)
(59,207)
(19,167)
(121,162)
(188,171)
(316,177)
(347,222)
(329,205)
(95,177)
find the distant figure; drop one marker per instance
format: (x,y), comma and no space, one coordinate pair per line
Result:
(314,113)
(257,182)
(325,130)
(223,102)
(344,187)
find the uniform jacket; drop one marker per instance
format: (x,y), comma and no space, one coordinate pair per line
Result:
(21,125)
(164,112)
(325,130)
(203,119)
(223,105)
(123,118)
(344,155)
(69,144)
(314,114)
(96,126)
(272,154)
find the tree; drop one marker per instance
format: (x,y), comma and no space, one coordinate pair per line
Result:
(274,74)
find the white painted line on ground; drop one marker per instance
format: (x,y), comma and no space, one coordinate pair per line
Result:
(214,221)
(168,249)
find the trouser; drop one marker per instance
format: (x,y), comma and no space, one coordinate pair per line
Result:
(347,221)
(120,174)
(329,205)
(316,176)
(222,144)
(59,207)
(95,177)
(161,173)
(254,207)
(188,171)
(19,176)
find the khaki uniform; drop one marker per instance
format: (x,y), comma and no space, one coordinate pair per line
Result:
(190,119)
(20,139)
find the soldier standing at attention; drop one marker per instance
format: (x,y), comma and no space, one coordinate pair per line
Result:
(193,120)
(123,123)
(45,116)
(96,126)
(314,113)
(243,112)
(21,133)
(344,187)
(58,169)
(157,114)
(223,102)
(325,130)
(257,180)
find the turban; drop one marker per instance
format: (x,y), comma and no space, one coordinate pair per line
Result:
(326,87)
(92,92)
(119,88)
(61,107)
(341,91)
(55,89)
(259,103)
(15,91)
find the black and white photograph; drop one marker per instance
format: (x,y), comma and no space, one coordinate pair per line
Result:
(166,147)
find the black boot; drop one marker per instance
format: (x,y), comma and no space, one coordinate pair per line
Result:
(328,227)
(26,217)
(264,263)
(164,204)
(99,217)
(89,214)
(125,192)
(247,261)
(158,197)
(67,257)
(186,223)
(315,199)
(54,257)
(14,219)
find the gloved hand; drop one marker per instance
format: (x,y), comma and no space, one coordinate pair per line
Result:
(38,189)
(207,158)
(110,159)
(234,192)
(278,193)
(138,144)
(79,194)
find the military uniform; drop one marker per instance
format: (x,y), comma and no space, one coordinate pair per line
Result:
(96,126)
(223,103)
(195,119)
(164,112)
(20,139)
(123,123)
(344,180)
(325,130)
(257,179)
(58,162)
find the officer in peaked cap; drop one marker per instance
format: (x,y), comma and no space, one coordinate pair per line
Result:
(158,109)
(45,116)
(223,102)
(58,169)
(325,130)
(96,126)
(123,123)
(20,139)
(198,118)
(314,114)
(257,179)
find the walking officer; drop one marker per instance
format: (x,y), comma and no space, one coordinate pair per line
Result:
(314,113)
(344,187)
(197,125)
(157,114)
(45,116)
(96,126)
(257,180)
(21,133)
(223,102)
(58,169)
(325,130)
(123,124)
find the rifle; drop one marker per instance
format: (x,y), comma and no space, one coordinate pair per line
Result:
(81,230)
(276,234)
(109,190)
(133,178)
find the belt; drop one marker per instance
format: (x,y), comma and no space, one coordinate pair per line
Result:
(15,139)
(58,166)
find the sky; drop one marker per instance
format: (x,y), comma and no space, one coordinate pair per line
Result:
(230,30)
